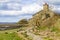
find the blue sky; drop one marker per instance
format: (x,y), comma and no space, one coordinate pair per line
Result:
(15,10)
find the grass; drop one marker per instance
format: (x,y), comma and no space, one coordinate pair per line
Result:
(47,38)
(12,30)
(9,36)
(27,36)
(42,28)
(12,35)
(44,32)
(55,29)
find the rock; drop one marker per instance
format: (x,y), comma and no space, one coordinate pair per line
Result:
(45,17)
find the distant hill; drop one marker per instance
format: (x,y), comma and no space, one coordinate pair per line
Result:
(7,22)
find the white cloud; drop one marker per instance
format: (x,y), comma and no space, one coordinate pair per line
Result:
(4,0)
(15,6)
(56,8)
(27,9)
(10,12)
(31,8)
(51,1)
(24,9)
(10,0)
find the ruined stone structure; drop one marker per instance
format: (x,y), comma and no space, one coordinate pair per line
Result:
(45,17)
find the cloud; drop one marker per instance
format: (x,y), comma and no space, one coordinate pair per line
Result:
(14,6)
(51,1)
(10,12)
(28,9)
(14,10)
(10,6)
(17,9)
(54,4)
(31,8)
(13,19)
(4,0)
(10,0)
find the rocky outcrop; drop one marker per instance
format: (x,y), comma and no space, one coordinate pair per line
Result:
(44,17)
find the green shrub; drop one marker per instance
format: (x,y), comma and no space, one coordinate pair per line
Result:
(6,32)
(47,38)
(54,29)
(41,28)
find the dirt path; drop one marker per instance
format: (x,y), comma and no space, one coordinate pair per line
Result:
(35,37)
(20,35)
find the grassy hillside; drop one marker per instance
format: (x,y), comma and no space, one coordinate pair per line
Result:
(47,33)
(10,35)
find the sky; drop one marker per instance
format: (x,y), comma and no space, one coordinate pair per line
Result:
(15,10)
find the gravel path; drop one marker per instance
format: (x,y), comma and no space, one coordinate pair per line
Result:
(35,37)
